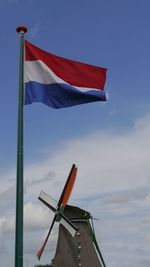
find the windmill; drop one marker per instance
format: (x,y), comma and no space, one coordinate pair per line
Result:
(58,208)
(82,249)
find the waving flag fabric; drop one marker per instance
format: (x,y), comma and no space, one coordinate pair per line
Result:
(59,82)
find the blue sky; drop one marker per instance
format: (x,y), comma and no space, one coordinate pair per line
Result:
(108,141)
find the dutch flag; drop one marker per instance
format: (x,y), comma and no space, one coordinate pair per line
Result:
(59,82)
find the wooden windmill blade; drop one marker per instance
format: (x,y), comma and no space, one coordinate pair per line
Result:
(56,208)
(68,187)
(48,201)
(39,253)
(72,229)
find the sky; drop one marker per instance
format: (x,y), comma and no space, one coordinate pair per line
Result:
(109,142)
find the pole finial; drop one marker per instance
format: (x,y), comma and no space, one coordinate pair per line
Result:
(21,29)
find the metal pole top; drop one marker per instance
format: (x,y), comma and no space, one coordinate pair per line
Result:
(22,29)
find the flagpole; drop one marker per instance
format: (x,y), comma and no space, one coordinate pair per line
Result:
(19,185)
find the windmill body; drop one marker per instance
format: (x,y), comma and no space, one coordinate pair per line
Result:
(80,250)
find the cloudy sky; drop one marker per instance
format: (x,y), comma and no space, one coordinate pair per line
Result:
(109,142)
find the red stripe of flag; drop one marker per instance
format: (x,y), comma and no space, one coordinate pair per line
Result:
(73,72)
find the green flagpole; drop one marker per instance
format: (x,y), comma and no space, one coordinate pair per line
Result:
(19,186)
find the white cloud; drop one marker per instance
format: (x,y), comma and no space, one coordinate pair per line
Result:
(35,218)
(146,220)
(107,162)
